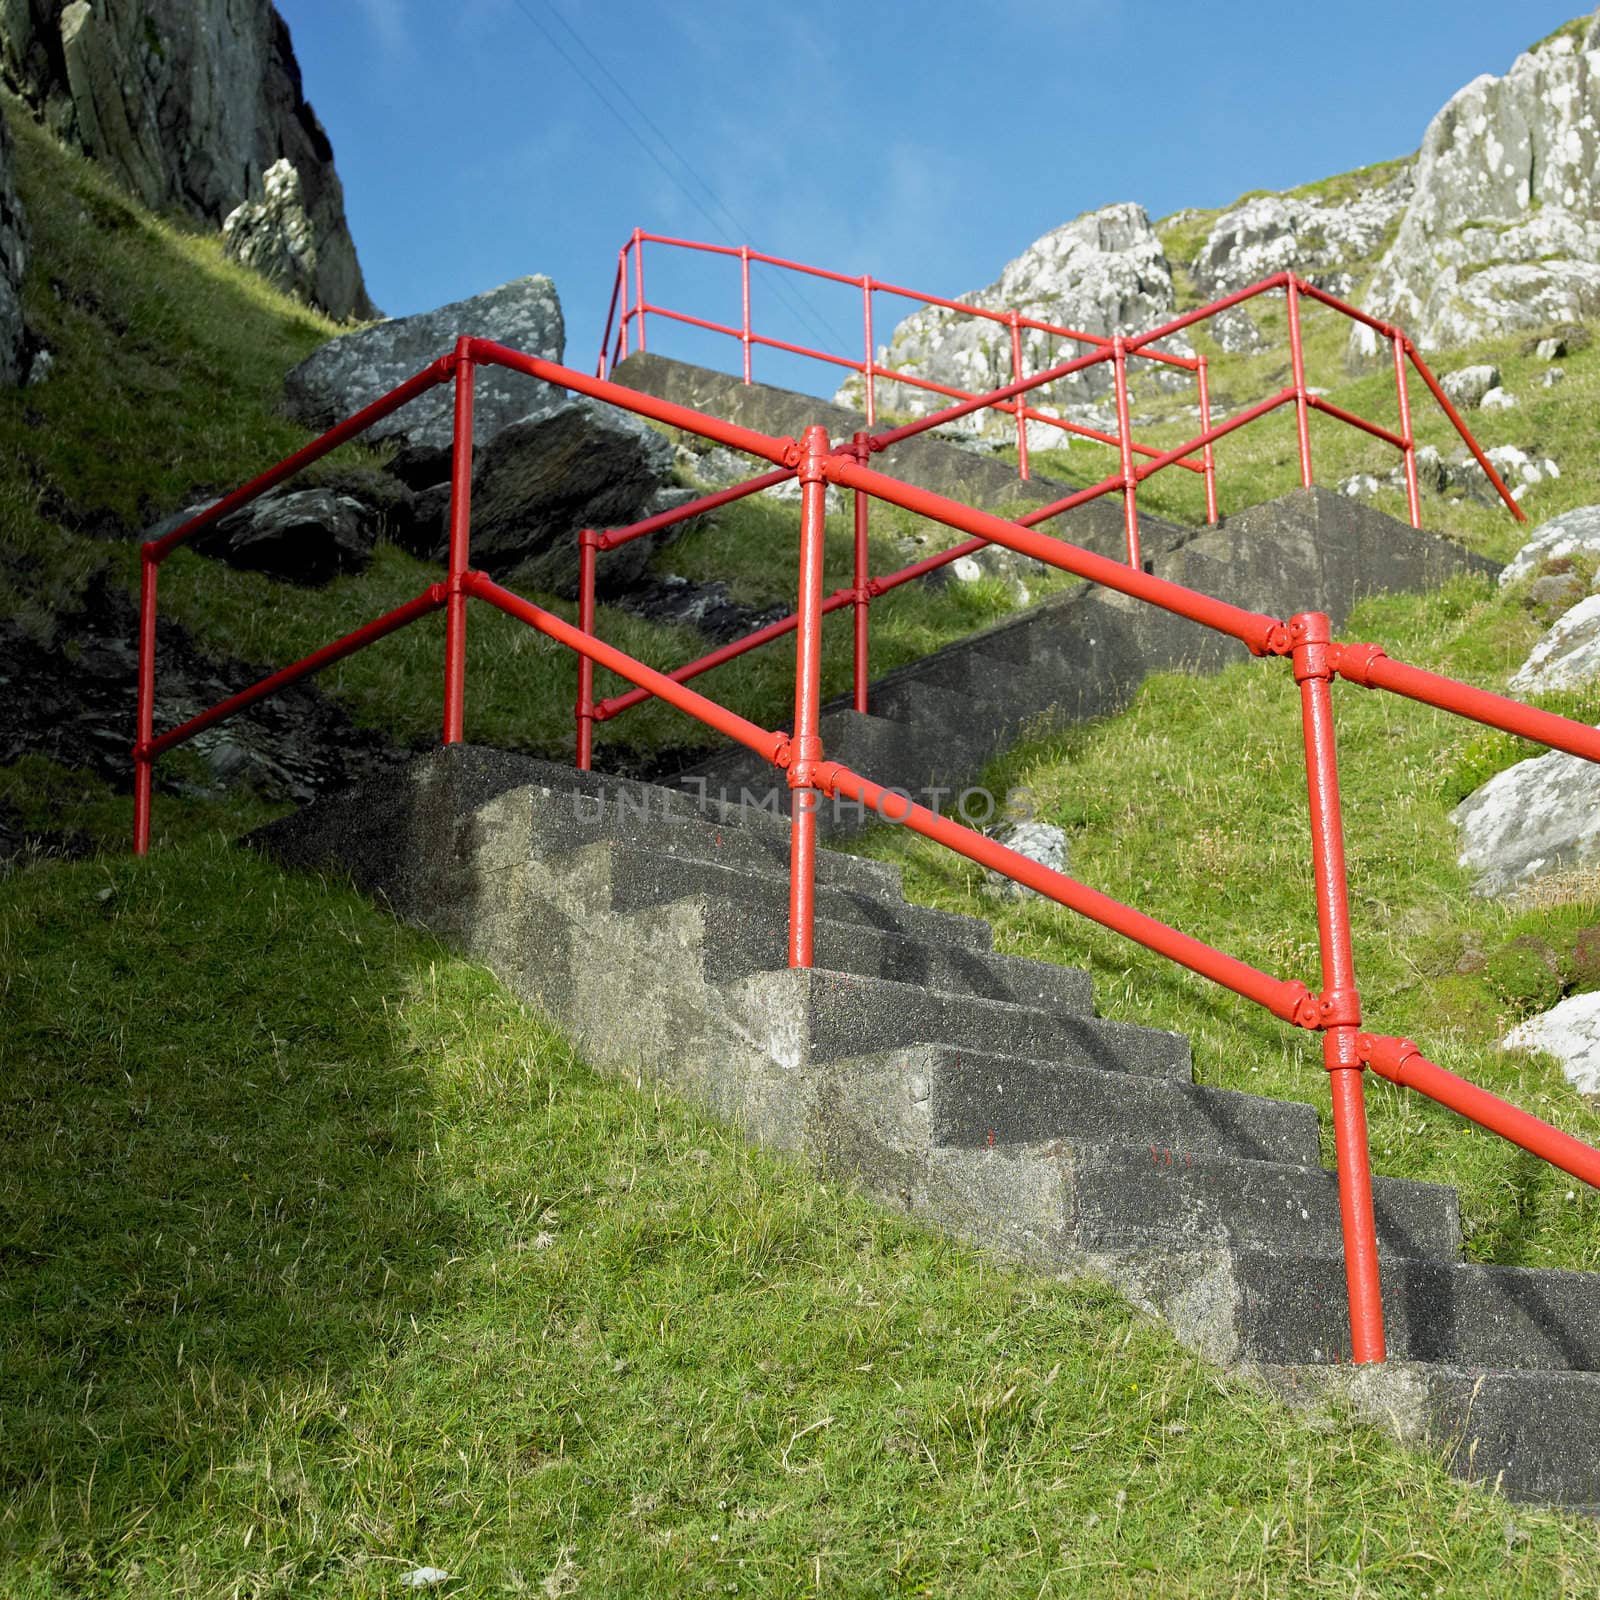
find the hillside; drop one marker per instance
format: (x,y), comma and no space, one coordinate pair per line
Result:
(325,1261)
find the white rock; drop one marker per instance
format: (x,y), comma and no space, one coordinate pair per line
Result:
(1503,228)
(1574,532)
(1541,814)
(1498,400)
(1361,486)
(423,1578)
(1553,377)
(1569,1031)
(1469,385)
(1550,349)
(1568,657)
(1038,841)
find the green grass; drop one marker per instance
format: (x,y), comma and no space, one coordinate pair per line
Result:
(319,1270)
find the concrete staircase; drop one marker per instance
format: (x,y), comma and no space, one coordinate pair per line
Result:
(975,1089)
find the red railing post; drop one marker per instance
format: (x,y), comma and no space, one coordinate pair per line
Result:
(588,549)
(638,280)
(145,726)
(624,313)
(1130,474)
(1020,402)
(1203,381)
(869,370)
(1413,503)
(744,297)
(455,616)
(863,594)
(1340,1003)
(806,744)
(1297,356)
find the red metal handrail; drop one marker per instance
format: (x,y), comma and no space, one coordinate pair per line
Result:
(1117,349)
(1305,640)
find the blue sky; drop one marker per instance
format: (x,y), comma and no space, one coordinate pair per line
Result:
(928,144)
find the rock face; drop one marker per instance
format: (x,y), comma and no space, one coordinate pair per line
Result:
(1503,230)
(275,235)
(1572,533)
(13,266)
(1315,238)
(357,368)
(1104,273)
(1532,818)
(189,103)
(1570,1032)
(305,535)
(582,465)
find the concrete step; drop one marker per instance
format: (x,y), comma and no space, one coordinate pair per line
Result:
(643,877)
(820,1016)
(744,937)
(1533,1436)
(975,1098)
(567,817)
(1285,1306)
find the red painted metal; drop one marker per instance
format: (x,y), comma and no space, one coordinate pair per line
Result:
(1297,359)
(611,314)
(863,591)
(588,547)
(1130,475)
(806,747)
(1316,403)
(1403,397)
(1019,410)
(1208,459)
(869,371)
(613,537)
(744,300)
(638,282)
(1400,1061)
(455,617)
(1341,1001)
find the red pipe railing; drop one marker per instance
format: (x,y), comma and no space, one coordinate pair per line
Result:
(1305,640)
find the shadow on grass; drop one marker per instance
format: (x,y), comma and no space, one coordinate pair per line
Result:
(218,1126)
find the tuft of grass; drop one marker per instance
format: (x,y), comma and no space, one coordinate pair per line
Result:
(317,1272)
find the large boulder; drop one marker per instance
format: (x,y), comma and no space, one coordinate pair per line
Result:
(1315,238)
(306,536)
(1569,1031)
(1104,273)
(1503,229)
(1540,815)
(1573,533)
(1568,657)
(189,103)
(357,368)
(13,266)
(582,465)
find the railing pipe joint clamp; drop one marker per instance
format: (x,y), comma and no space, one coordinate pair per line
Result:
(1311,637)
(1356,661)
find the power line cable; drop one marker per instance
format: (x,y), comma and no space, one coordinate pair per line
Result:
(823,332)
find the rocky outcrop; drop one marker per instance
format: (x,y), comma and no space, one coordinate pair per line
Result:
(1571,534)
(1503,230)
(1104,273)
(1569,1031)
(13,266)
(189,103)
(357,368)
(1318,239)
(1533,818)
(275,235)
(1568,657)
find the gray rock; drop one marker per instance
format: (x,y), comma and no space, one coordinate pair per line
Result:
(306,536)
(1236,332)
(1503,230)
(1498,399)
(1569,1031)
(188,103)
(1572,533)
(1274,233)
(539,481)
(357,368)
(1555,592)
(1568,657)
(13,267)
(1539,815)
(274,235)
(1038,841)
(1104,273)
(1550,349)
(1467,386)
(1554,376)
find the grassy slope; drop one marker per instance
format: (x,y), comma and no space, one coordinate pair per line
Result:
(334,1269)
